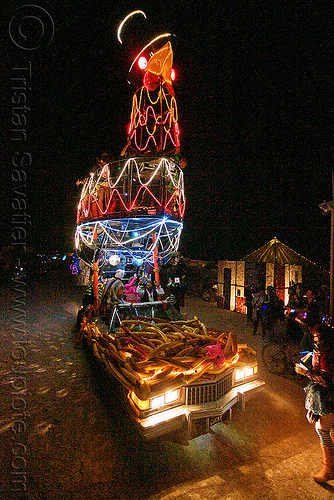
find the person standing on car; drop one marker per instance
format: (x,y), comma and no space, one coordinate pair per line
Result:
(319,401)
(130,290)
(148,293)
(177,279)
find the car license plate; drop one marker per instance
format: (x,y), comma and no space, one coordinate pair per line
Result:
(214,420)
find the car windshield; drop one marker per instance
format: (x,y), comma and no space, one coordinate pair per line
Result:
(160,310)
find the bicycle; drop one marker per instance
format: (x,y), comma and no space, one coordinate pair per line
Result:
(280,357)
(209,294)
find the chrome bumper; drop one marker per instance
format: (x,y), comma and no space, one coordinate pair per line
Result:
(185,416)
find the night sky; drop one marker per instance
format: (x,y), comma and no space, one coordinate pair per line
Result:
(254,105)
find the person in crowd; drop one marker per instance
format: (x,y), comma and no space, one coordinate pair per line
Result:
(323,297)
(272,310)
(248,302)
(257,303)
(294,331)
(147,292)
(84,275)
(177,280)
(294,301)
(312,309)
(114,290)
(89,298)
(319,401)
(130,290)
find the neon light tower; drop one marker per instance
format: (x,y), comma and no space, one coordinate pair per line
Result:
(133,208)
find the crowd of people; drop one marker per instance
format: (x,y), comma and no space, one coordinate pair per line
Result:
(303,319)
(267,311)
(265,308)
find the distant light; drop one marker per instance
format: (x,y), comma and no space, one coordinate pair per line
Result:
(249,372)
(142,62)
(173,74)
(114,260)
(64,258)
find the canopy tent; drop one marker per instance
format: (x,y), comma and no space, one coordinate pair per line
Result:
(276,252)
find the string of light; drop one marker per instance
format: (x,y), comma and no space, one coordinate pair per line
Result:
(131,236)
(128,198)
(146,118)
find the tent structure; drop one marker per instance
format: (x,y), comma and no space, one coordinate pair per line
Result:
(273,264)
(275,252)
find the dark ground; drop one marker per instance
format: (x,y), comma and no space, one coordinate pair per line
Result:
(79,442)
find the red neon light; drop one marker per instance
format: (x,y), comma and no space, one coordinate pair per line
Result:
(90,206)
(151,81)
(96,210)
(143,117)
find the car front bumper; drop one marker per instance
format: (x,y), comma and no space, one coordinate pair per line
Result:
(185,418)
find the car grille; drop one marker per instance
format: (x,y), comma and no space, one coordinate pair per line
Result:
(209,393)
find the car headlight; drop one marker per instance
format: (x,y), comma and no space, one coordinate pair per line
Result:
(168,398)
(245,373)
(164,399)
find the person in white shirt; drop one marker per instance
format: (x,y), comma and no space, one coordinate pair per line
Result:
(148,293)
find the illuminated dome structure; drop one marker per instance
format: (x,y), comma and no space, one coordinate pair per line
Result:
(131,210)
